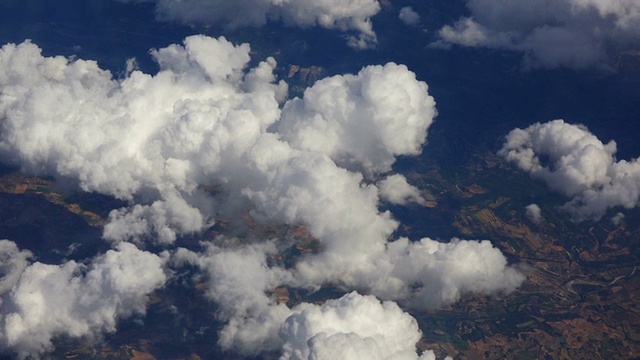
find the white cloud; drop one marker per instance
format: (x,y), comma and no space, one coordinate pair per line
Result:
(165,219)
(396,190)
(468,32)
(570,33)
(72,299)
(574,162)
(533,213)
(428,274)
(362,121)
(206,120)
(341,211)
(353,16)
(152,140)
(238,281)
(354,326)
(409,17)
(13,261)
(338,330)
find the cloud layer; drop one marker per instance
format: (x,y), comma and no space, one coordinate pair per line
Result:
(353,17)
(569,33)
(574,162)
(421,275)
(152,140)
(206,138)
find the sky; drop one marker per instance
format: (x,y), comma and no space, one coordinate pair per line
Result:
(155,102)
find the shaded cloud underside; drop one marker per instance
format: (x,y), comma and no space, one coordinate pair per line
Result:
(353,17)
(550,33)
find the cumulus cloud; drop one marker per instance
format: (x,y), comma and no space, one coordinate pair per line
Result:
(533,213)
(239,279)
(208,121)
(574,162)
(353,17)
(408,16)
(13,261)
(337,329)
(428,274)
(152,140)
(354,326)
(570,33)
(421,275)
(396,190)
(362,121)
(71,299)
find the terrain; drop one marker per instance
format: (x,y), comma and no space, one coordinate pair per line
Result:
(580,298)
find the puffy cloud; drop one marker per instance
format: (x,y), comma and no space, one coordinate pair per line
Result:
(343,215)
(362,121)
(164,218)
(351,327)
(467,32)
(568,157)
(396,190)
(72,299)
(333,203)
(155,139)
(408,16)
(347,16)
(533,213)
(238,281)
(149,139)
(354,326)
(574,162)
(617,219)
(428,274)
(570,33)
(422,275)
(13,261)
(204,121)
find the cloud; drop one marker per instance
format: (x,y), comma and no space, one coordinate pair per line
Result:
(396,190)
(409,17)
(72,299)
(567,33)
(423,275)
(152,140)
(341,210)
(362,121)
(617,219)
(13,261)
(164,218)
(574,162)
(155,140)
(429,274)
(209,137)
(337,329)
(353,17)
(239,279)
(533,213)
